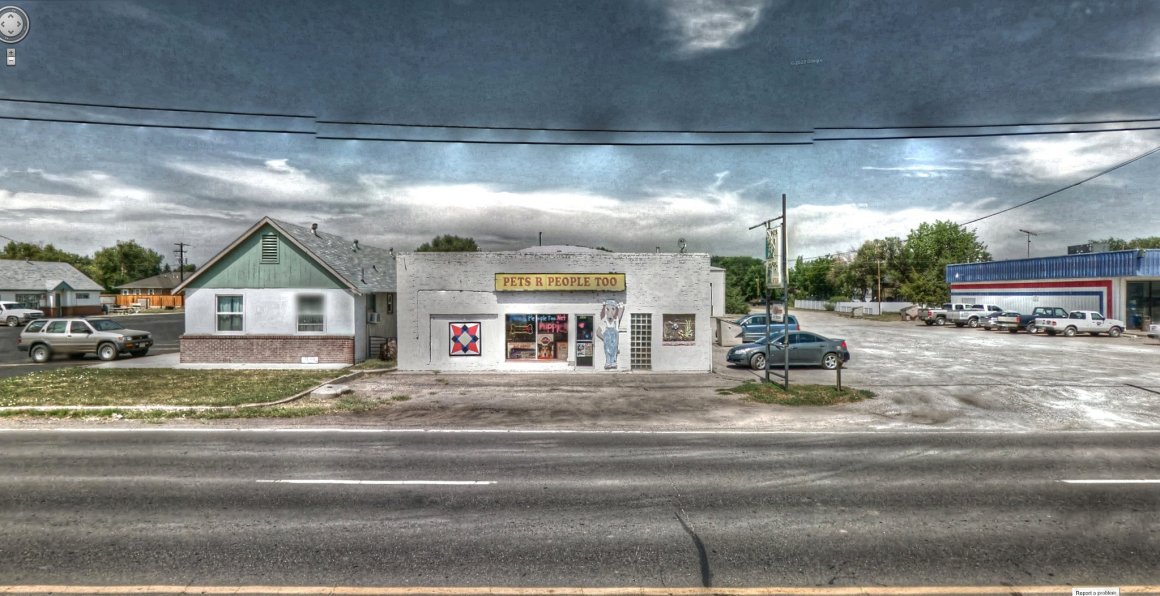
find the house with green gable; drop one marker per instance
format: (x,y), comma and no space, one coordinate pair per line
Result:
(283,293)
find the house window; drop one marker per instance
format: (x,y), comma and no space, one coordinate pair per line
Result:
(229,313)
(82,296)
(310,313)
(269,249)
(28,300)
(537,337)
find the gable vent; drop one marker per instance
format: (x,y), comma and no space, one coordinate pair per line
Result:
(269,249)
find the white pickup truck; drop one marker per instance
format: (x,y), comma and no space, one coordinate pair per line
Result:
(14,313)
(1080,321)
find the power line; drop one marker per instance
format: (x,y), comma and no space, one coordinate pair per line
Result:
(577,143)
(1069,186)
(141,125)
(153,109)
(551,129)
(984,135)
(1013,125)
(1025,203)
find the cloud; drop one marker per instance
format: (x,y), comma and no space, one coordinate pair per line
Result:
(816,230)
(1062,159)
(701,26)
(922,171)
(274,180)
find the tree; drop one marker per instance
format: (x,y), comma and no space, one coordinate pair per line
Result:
(927,252)
(448,243)
(123,263)
(34,252)
(877,260)
(744,275)
(1135,243)
(811,279)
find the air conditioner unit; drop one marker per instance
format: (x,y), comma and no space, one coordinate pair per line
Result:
(374,318)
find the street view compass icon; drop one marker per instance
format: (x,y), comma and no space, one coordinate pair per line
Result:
(13,24)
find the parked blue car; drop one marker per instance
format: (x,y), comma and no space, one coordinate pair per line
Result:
(753,326)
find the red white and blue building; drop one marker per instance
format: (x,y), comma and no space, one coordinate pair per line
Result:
(1121,284)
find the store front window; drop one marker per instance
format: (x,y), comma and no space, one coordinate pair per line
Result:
(537,337)
(1143,303)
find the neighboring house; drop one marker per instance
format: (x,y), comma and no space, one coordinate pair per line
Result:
(156,291)
(283,293)
(158,285)
(57,289)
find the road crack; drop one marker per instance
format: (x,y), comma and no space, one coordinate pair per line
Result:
(702,555)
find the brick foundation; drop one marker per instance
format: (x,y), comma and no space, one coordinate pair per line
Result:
(275,349)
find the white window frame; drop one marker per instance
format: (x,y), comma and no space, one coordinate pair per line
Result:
(321,314)
(241,314)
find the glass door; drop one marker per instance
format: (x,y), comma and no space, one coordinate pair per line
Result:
(584,347)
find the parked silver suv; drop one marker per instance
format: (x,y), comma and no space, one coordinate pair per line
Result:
(76,337)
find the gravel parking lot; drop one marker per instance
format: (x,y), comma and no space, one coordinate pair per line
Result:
(962,377)
(942,378)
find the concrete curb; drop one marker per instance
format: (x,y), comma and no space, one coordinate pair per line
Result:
(147,408)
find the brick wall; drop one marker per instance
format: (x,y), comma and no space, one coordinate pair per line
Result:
(279,349)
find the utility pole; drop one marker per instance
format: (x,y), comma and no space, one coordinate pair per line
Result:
(1029,235)
(180,252)
(880,284)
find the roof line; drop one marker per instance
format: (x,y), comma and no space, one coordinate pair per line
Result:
(250,232)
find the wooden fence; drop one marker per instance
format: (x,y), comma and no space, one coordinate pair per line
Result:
(156,301)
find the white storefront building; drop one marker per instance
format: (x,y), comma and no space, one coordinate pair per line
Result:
(554,309)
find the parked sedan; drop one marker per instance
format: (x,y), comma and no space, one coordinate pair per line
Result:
(805,348)
(753,326)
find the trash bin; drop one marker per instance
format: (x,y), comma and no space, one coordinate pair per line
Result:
(1145,323)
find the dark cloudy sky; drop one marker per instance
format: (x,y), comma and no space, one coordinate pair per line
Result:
(750,65)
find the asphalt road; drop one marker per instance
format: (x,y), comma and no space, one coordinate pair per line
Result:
(110,507)
(166,329)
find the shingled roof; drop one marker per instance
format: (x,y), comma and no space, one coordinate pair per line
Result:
(364,269)
(165,281)
(43,276)
(368,268)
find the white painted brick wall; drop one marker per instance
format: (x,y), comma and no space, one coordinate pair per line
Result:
(437,288)
(269,311)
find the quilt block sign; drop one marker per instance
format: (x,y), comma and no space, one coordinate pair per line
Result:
(465,339)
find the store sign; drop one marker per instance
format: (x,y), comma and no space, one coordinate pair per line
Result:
(559,282)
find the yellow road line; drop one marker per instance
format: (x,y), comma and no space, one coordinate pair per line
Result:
(563,591)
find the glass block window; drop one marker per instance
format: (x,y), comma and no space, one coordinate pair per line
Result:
(641,348)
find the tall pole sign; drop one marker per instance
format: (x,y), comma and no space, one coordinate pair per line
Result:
(775,276)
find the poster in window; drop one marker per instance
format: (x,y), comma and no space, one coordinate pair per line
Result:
(465,338)
(679,330)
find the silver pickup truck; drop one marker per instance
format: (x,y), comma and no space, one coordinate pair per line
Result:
(973,315)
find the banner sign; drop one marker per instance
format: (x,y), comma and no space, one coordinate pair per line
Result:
(773,273)
(559,282)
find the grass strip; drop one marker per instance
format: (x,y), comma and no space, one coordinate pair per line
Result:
(798,395)
(155,386)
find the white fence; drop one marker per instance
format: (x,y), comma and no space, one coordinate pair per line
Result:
(869,308)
